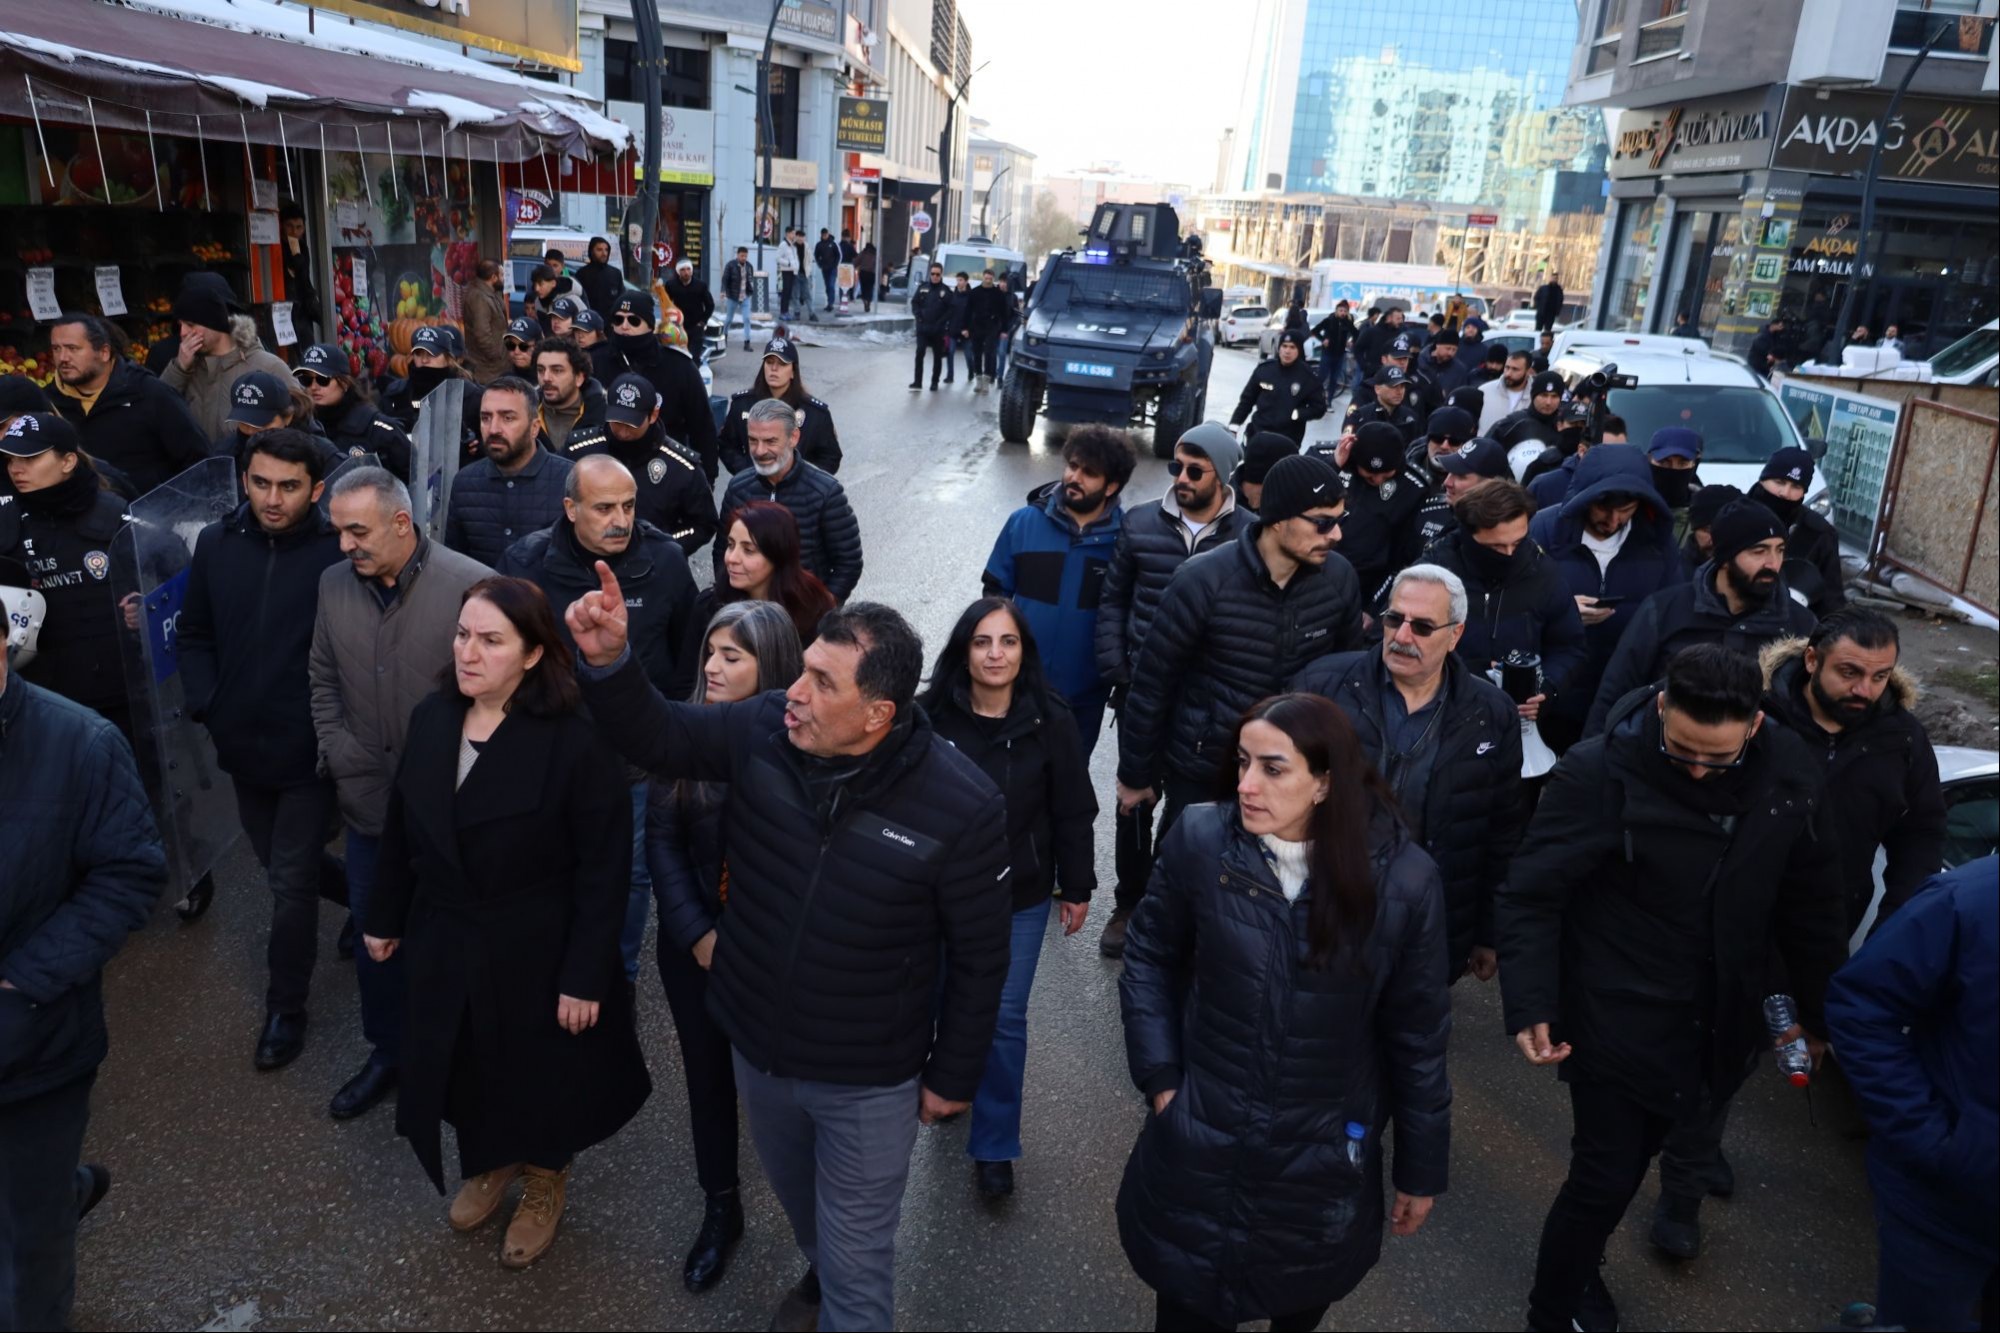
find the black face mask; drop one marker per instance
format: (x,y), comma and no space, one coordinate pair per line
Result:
(1786,510)
(1675,485)
(425,378)
(1488,565)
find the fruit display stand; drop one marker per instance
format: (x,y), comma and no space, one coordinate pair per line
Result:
(153,252)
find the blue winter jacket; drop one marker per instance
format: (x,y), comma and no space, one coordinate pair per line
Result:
(82,869)
(1551,488)
(1055,574)
(1646,563)
(1915,1020)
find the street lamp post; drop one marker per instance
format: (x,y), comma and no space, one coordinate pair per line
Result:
(766,132)
(944,151)
(652,55)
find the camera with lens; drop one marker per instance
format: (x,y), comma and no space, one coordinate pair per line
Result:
(1600,382)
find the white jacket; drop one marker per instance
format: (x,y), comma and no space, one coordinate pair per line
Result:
(788,258)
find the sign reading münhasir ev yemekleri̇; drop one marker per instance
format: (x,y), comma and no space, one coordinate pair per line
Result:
(540,30)
(861,125)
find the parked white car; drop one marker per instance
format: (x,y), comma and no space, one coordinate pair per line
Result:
(1241,324)
(1971,781)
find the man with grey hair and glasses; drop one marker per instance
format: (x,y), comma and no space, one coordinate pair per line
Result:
(387,616)
(1448,741)
(829,536)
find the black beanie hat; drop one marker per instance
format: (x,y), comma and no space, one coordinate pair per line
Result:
(197,305)
(1296,484)
(1739,527)
(632,301)
(1708,502)
(1262,452)
(1790,463)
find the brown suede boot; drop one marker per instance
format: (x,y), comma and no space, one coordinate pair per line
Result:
(533,1229)
(480,1197)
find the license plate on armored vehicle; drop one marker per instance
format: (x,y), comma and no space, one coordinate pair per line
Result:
(1090,370)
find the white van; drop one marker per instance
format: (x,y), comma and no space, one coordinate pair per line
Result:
(974,255)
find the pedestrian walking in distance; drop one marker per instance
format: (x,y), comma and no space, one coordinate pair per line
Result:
(866,857)
(506,858)
(988,696)
(1286,968)
(930,308)
(748,649)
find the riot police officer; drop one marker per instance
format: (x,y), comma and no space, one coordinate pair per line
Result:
(1398,351)
(1284,393)
(1381,533)
(1392,388)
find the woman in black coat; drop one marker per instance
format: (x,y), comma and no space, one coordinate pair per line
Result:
(747,648)
(988,697)
(1285,1001)
(506,862)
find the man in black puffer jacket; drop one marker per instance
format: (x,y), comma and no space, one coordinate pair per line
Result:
(829,537)
(1666,860)
(84,868)
(1236,624)
(124,414)
(246,632)
(866,857)
(1448,742)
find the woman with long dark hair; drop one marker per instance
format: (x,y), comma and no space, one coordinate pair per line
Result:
(778,377)
(760,563)
(987,696)
(345,411)
(1285,1001)
(748,648)
(506,861)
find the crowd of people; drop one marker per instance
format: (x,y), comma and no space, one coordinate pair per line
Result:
(1476,688)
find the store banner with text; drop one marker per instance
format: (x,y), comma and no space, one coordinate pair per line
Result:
(1941,141)
(861,125)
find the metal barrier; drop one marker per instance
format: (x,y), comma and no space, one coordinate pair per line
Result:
(1939,508)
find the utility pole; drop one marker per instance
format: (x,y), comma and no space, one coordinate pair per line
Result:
(944,155)
(646,202)
(766,132)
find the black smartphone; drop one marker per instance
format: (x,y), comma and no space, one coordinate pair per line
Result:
(1609,601)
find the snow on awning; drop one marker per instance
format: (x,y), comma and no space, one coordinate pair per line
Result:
(251,69)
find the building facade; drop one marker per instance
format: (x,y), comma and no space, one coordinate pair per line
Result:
(1426,109)
(1000,188)
(1740,141)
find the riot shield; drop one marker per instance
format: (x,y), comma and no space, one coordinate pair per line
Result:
(435,446)
(193,802)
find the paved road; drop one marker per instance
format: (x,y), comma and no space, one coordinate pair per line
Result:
(239,1202)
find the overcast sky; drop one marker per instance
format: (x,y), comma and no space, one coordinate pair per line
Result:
(1078,81)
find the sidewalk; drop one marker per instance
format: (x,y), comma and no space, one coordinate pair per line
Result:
(890,318)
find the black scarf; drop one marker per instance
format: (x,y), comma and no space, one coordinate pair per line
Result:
(71,496)
(1675,485)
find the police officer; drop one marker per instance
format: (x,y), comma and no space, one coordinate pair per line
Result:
(1381,533)
(1391,387)
(519,344)
(433,362)
(778,377)
(1284,393)
(352,424)
(674,496)
(1537,426)
(1444,434)
(1397,350)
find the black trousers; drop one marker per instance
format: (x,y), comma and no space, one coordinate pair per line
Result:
(711,1076)
(934,344)
(1610,1148)
(1691,1154)
(1133,838)
(1170,1316)
(41,1141)
(985,353)
(287,827)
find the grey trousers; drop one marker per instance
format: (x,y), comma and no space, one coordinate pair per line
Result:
(838,1158)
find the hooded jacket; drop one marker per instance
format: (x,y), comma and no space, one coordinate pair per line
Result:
(847,897)
(829,535)
(206,387)
(1881,782)
(1240,1199)
(1226,636)
(1475,804)
(1913,1018)
(1152,544)
(1640,925)
(1647,562)
(246,630)
(1528,609)
(1684,615)
(138,425)
(84,868)
(1055,573)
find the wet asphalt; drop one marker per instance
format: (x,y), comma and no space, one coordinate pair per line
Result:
(238,1204)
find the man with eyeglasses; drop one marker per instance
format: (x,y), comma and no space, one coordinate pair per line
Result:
(1739,599)
(1667,859)
(1447,741)
(1198,513)
(1235,624)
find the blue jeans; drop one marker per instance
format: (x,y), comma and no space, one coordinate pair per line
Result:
(832,292)
(641,897)
(384,995)
(996,1107)
(730,310)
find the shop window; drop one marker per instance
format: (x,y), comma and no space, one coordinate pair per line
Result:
(784,112)
(1664,21)
(1610,31)
(683,76)
(1632,266)
(1918,21)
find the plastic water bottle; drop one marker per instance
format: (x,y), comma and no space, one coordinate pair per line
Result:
(1781,1015)
(1357,1155)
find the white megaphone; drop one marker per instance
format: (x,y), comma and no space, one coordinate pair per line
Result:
(1520,675)
(25,610)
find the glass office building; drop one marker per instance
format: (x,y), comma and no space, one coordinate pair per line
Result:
(1441,101)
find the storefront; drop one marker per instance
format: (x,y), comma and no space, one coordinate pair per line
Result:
(1739,208)
(167,146)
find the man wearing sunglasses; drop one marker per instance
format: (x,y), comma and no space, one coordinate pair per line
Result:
(684,410)
(1449,743)
(1667,859)
(1198,513)
(1235,624)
